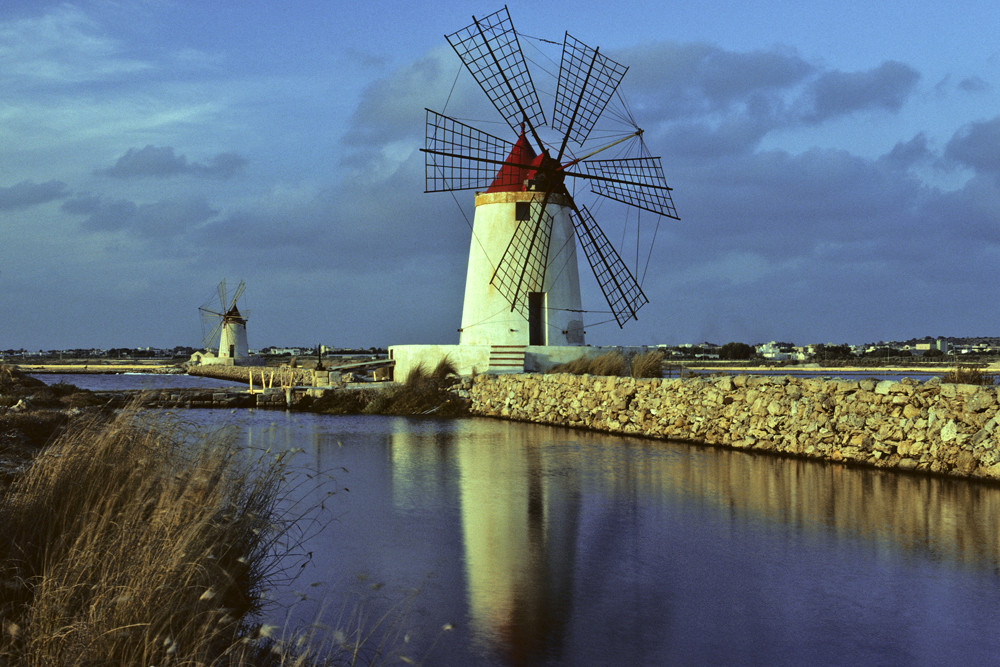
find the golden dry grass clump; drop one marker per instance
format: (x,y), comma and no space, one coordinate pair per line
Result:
(644,365)
(124,544)
(648,364)
(969,374)
(421,393)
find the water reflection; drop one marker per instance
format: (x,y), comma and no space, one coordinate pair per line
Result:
(519,527)
(539,510)
(549,545)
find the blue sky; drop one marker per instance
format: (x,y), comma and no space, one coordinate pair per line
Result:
(835,168)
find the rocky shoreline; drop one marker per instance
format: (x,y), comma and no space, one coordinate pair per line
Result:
(930,427)
(32,413)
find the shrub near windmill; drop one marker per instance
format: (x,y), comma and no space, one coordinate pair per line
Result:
(227,326)
(522,293)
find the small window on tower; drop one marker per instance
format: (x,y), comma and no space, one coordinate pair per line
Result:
(521,209)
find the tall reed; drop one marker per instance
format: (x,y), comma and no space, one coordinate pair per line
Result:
(125,544)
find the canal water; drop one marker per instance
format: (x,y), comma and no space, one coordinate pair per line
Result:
(478,541)
(115,381)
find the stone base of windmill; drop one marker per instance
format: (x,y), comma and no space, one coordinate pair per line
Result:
(477,359)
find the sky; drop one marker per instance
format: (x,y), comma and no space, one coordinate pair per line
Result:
(835,167)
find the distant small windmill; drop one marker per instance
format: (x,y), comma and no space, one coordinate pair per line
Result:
(227,325)
(522,284)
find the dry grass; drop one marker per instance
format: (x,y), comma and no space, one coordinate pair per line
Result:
(609,364)
(445,368)
(969,375)
(421,393)
(123,545)
(648,364)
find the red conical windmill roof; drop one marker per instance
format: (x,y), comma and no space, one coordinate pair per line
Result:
(512,176)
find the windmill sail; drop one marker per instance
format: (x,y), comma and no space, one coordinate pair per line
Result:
(522,267)
(587,80)
(492,54)
(637,182)
(459,156)
(619,286)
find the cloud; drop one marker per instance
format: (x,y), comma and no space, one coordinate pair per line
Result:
(977,145)
(839,93)
(63,46)
(155,162)
(690,80)
(973,84)
(706,101)
(392,107)
(27,193)
(165,219)
(905,154)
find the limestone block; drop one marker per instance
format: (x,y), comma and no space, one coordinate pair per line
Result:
(981,400)
(883,387)
(949,431)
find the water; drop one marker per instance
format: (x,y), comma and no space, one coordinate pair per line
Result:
(874,373)
(113,381)
(543,545)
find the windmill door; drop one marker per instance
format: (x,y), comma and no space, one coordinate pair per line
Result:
(536,318)
(232,351)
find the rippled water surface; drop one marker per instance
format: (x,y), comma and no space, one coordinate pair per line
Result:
(543,545)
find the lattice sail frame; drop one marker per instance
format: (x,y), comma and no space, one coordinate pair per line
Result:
(490,51)
(522,267)
(459,156)
(587,81)
(637,182)
(619,286)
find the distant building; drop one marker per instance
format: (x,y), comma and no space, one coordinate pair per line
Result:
(776,351)
(925,346)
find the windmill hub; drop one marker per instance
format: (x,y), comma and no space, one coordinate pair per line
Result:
(547,175)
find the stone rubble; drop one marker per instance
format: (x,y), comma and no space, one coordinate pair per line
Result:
(931,426)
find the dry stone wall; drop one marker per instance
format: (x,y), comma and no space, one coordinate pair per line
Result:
(931,426)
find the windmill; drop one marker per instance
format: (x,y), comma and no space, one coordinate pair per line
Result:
(522,284)
(227,326)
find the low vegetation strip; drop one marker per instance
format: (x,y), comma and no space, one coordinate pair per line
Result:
(933,426)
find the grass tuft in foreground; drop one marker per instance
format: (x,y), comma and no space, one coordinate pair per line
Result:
(124,545)
(645,365)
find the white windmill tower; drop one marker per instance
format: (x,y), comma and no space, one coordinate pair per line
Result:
(522,284)
(228,326)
